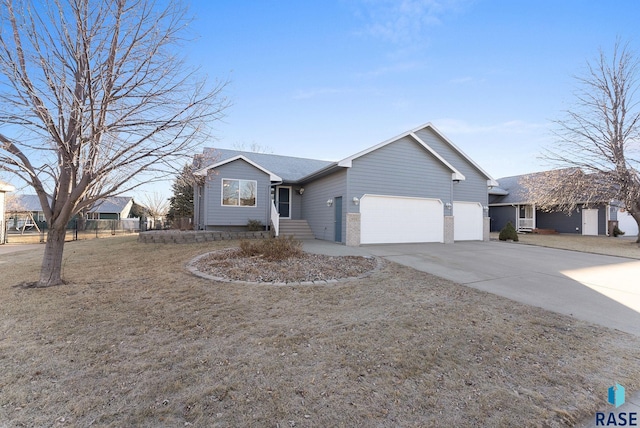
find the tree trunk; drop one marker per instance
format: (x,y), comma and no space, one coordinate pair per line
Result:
(51,271)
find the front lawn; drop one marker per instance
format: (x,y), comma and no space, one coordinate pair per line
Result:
(133,339)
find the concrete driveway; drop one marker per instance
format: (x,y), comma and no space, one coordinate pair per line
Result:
(600,289)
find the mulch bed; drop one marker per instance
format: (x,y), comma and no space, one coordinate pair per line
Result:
(230,264)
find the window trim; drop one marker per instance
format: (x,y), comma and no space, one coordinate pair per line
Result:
(239,205)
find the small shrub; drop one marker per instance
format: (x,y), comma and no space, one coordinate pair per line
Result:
(272,249)
(255,225)
(617,232)
(508,232)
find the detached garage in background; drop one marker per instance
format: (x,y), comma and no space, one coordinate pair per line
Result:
(415,187)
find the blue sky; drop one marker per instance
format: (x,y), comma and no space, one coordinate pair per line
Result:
(326,79)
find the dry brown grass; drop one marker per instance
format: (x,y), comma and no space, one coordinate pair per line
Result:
(621,246)
(134,340)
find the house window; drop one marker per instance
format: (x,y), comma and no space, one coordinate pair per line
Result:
(239,193)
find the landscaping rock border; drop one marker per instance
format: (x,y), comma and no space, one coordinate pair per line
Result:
(191,266)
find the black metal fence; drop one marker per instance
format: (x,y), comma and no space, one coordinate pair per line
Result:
(76,230)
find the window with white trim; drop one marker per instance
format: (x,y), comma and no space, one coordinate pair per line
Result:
(239,193)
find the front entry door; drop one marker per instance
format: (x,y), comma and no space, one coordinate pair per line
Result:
(338,218)
(284,202)
(589,222)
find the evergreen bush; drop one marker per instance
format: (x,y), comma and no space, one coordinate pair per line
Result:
(508,232)
(617,232)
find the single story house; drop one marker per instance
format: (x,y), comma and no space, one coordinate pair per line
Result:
(4,189)
(111,208)
(26,212)
(415,187)
(510,202)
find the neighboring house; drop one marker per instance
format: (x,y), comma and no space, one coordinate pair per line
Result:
(26,211)
(111,208)
(626,223)
(510,202)
(416,187)
(4,189)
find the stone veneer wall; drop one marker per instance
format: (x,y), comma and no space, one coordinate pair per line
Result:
(448,229)
(353,229)
(190,236)
(486,229)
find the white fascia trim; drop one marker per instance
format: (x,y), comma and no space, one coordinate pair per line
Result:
(203,171)
(346,162)
(6,187)
(455,174)
(490,180)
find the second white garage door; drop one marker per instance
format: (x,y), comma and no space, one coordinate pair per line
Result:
(395,219)
(467,221)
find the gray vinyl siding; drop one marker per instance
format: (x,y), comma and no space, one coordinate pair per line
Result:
(401,168)
(565,223)
(500,216)
(218,215)
(296,204)
(314,204)
(474,187)
(560,222)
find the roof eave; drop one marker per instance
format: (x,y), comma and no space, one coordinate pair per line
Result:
(203,171)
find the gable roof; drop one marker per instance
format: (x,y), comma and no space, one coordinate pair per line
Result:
(24,203)
(513,190)
(297,170)
(112,204)
(456,175)
(279,168)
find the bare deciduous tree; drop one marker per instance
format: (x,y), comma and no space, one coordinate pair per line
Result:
(94,101)
(599,139)
(156,206)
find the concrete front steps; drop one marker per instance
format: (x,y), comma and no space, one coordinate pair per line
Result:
(299,229)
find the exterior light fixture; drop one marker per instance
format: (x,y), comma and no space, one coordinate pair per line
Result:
(448,205)
(329,202)
(301,191)
(356,201)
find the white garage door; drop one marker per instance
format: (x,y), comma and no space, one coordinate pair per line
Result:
(394,219)
(627,224)
(467,221)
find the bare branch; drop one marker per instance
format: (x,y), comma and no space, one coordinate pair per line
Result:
(95,100)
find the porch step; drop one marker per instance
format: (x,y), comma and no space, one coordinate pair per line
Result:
(299,229)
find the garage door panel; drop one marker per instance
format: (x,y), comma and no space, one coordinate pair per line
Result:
(467,221)
(391,219)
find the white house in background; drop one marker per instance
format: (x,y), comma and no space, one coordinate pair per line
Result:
(627,224)
(4,189)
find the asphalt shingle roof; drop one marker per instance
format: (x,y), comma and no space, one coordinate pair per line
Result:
(290,169)
(113,204)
